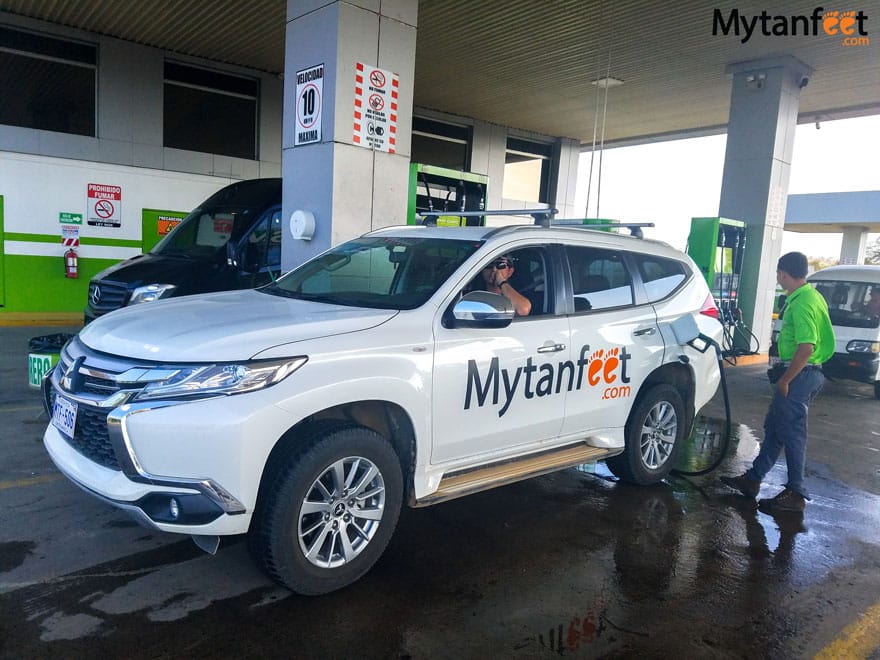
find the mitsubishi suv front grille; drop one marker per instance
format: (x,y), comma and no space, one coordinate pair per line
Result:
(90,437)
(95,379)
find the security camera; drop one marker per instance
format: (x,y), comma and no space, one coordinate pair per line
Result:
(805,80)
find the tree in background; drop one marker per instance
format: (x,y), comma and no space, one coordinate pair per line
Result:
(872,253)
(818,263)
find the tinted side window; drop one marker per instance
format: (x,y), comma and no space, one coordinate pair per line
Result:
(263,246)
(599,277)
(851,304)
(210,111)
(48,83)
(661,276)
(275,231)
(528,278)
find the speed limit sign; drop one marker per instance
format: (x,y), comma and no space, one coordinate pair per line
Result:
(309,92)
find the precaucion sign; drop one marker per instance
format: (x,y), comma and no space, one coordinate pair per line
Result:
(375,108)
(165,223)
(104,204)
(309,100)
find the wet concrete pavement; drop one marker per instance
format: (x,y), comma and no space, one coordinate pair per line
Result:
(572,564)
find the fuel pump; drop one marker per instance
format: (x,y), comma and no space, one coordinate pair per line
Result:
(718,245)
(433,188)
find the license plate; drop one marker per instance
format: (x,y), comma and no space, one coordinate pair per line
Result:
(64,416)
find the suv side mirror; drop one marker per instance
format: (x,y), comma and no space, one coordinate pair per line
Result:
(481,309)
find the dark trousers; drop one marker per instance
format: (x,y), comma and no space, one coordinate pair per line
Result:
(785,427)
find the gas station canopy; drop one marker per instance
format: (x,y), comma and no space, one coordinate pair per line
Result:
(833,212)
(542,65)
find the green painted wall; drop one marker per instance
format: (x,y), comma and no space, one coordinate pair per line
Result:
(151,219)
(2,243)
(38,284)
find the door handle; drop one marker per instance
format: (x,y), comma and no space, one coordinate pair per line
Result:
(644,331)
(551,348)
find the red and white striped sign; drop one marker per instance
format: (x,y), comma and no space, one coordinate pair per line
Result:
(69,236)
(375,108)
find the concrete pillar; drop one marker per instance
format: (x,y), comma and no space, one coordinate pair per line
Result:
(764,103)
(566,155)
(488,150)
(852,249)
(348,188)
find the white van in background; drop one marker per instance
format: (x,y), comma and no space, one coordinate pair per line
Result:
(855,315)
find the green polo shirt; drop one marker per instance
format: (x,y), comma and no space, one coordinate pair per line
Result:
(806,321)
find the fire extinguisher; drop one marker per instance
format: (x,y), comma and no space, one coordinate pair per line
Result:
(71,262)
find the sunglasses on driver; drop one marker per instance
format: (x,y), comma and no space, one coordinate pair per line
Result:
(500,264)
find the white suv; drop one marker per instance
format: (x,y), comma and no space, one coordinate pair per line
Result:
(305,413)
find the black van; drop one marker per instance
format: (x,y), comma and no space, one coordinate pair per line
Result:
(230,241)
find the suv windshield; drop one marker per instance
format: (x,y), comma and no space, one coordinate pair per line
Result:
(205,231)
(225,215)
(850,304)
(379,272)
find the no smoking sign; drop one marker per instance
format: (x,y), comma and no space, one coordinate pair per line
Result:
(375,108)
(104,209)
(104,205)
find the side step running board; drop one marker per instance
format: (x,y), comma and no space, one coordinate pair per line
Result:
(500,474)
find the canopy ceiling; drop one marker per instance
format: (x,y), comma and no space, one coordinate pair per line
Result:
(530,64)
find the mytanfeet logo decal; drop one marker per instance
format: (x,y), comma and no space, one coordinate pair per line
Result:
(849,25)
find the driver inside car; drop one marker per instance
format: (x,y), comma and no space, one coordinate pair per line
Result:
(872,306)
(495,276)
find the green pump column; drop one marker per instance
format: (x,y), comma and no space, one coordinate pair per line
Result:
(764,104)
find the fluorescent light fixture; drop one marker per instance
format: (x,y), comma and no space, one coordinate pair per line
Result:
(606,82)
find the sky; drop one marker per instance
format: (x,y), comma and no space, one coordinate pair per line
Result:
(669,183)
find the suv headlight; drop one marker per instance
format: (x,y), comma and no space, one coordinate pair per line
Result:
(206,380)
(863,346)
(150,293)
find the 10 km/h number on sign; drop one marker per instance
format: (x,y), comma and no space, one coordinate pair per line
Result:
(309,88)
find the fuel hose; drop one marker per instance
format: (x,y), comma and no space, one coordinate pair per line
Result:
(725,433)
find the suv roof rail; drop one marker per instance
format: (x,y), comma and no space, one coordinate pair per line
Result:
(430,219)
(542,217)
(635,228)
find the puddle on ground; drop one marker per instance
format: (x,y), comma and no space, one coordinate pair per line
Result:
(702,449)
(709,442)
(13,554)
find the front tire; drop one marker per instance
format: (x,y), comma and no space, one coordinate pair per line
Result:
(654,434)
(329,511)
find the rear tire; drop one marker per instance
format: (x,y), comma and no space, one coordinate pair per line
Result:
(654,433)
(329,511)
